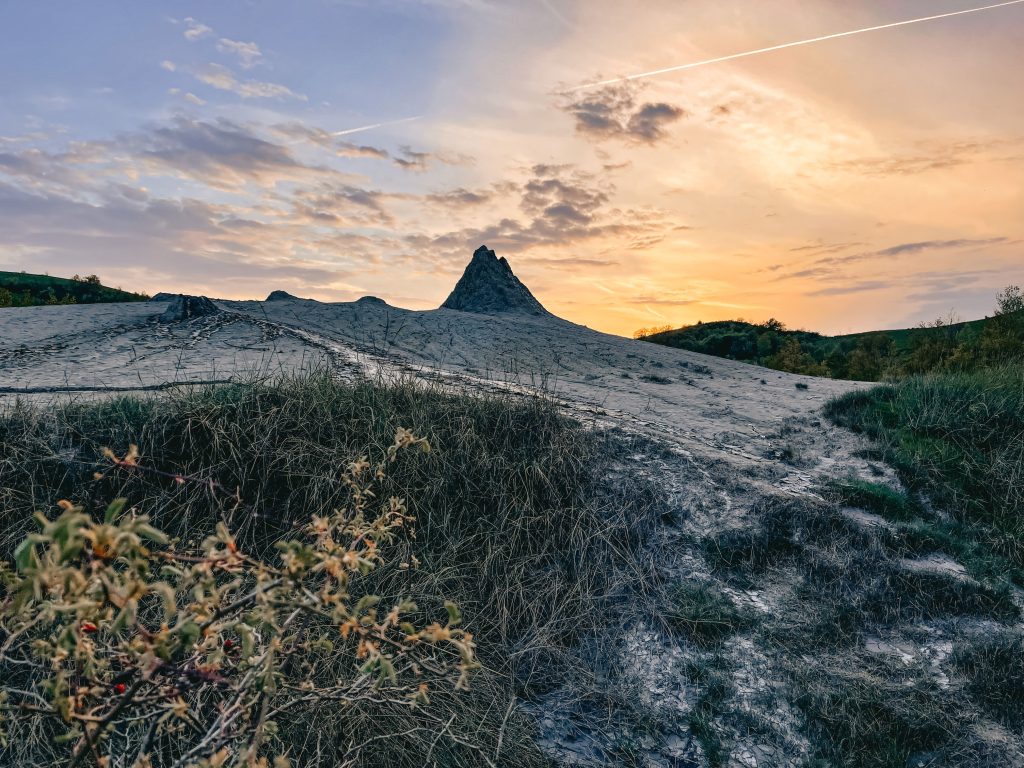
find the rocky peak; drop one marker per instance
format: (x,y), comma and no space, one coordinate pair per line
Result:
(281,296)
(184,307)
(489,286)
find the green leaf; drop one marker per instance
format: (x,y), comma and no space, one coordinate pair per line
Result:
(454,616)
(114,509)
(25,557)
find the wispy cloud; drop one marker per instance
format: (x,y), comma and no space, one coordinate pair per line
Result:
(195,30)
(248,54)
(223,79)
(934,156)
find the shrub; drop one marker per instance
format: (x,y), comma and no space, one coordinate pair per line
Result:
(196,653)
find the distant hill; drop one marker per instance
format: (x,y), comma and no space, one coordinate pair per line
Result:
(868,356)
(21,289)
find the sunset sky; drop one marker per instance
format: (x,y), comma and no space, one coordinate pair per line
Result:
(213,147)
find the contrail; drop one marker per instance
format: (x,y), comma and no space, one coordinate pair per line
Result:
(398,122)
(695,64)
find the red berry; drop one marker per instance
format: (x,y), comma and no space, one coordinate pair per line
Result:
(88,627)
(228,645)
(120,688)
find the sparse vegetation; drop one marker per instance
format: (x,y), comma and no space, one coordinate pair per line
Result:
(703,614)
(517,522)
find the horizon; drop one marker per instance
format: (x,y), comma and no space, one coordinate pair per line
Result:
(340,149)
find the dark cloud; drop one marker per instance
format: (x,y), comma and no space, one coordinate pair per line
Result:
(411,160)
(458,198)
(562,207)
(647,123)
(346,149)
(220,153)
(162,240)
(614,112)
(342,204)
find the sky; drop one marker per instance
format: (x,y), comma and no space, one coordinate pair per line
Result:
(339,148)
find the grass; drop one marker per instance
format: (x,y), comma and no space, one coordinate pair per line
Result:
(958,437)
(874,719)
(521,520)
(994,668)
(881,499)
(703,614)
(716,690)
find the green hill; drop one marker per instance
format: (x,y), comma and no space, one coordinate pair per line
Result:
(868,356)
(21,289)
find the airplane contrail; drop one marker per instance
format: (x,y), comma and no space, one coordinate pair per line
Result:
(398,122)
(693,65)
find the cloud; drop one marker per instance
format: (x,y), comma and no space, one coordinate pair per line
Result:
(170,66)
(408,159)
(248,53)
(195,30)
(935,245)
(461,197)
(819,248)
(571,262)
(614,113)
(562,207)
(831,267)
(933,156)
(347,149)
(220,77)
(848,288)
(343,204)
(220,153)
(411,160)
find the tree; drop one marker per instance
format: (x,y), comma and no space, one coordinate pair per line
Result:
(791,357)
(871,358)
(1009,300)
(1003,336)
(6,299)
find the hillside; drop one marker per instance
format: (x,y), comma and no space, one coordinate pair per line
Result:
(630,554)
(21,289)
(866,356)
